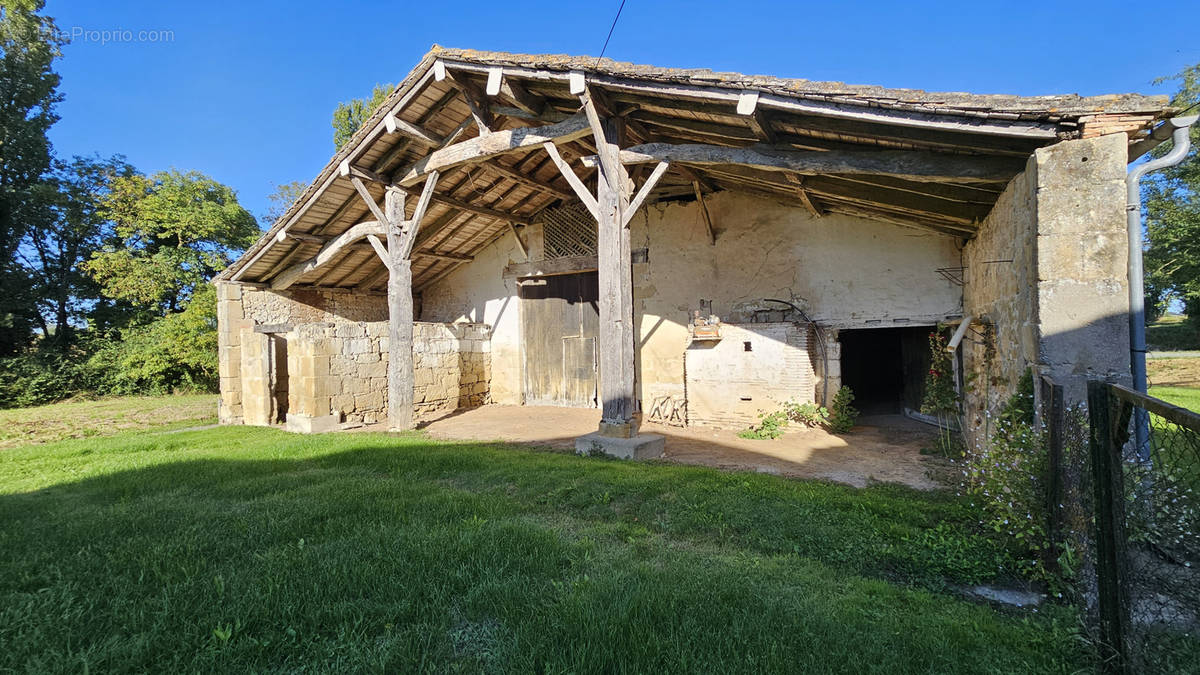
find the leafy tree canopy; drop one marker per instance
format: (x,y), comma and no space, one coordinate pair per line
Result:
(1171,199)
(349,116)
(171,232)
(281,200)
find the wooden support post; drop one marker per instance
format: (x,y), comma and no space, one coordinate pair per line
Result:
(616,339)
(400,320)
(1108,425)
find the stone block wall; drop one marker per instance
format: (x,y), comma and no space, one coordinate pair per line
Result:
(241,308)
(340,369)
(451,367)
(1046,282)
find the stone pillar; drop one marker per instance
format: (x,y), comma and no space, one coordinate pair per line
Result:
(1082,294)
(230,322)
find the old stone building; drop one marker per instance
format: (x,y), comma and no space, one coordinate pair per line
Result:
(575,226)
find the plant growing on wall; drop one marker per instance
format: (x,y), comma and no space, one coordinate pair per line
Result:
(941,396)
(843,414)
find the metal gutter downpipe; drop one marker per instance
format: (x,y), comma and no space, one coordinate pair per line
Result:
(1180,133)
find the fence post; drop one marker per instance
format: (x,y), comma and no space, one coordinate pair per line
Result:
(1055,419)
(1109,485)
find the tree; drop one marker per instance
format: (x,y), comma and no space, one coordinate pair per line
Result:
(351,115)
(29,43)
(1171,199)
(281,200)
(73,230)
(171,232)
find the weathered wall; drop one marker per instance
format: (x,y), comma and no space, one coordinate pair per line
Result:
(340,369)
(477,293)
(1060,305)
(846,272)
(241,308)
(753,368)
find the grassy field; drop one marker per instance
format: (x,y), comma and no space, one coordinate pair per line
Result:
(106,416)
(249,549)
(1172,333)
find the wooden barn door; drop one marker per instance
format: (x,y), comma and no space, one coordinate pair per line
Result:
(560,318)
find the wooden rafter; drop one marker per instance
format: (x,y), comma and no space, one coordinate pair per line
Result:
(911,165)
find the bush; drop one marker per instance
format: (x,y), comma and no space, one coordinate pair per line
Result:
(843,415)
(175,353)
(772,424)
(1005,480)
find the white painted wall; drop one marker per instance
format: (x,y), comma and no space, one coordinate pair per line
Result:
(845,271)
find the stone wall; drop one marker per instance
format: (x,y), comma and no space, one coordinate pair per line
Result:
(451,367)
(336,346)
(1046,281)
(339,370)
(241,308)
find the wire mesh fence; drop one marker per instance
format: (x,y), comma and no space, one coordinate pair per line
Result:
(1145,470)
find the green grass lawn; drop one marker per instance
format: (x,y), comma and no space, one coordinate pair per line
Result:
(1184,397)
(1173,333)
(249,549)
(81,419)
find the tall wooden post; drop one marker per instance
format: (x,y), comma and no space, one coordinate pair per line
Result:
(618,398)
(400,317)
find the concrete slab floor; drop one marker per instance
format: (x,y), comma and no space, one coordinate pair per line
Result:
(883,448)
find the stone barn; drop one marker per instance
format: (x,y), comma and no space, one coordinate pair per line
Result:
(682,246)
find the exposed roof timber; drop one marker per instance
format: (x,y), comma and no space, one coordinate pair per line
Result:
(903,220)
(969,194)
(906,164)
(479,210)
(328,253)
(476,101)
(396,125)
(528,179)
(953,217)
(1007,128)
(351,151)
(482,148)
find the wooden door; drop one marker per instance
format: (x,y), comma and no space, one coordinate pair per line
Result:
(560,318)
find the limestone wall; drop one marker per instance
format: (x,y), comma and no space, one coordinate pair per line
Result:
(340,369)
(241,308)
(846,271)
(1046,279)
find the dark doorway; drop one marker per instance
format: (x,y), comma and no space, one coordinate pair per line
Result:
(279,377)
(885,367)
(560,318)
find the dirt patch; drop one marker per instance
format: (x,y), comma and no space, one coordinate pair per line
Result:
(1182,372)
(884,448)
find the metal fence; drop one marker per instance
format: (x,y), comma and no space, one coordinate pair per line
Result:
(1145,530)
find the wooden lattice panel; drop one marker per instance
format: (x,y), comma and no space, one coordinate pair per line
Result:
(569,231)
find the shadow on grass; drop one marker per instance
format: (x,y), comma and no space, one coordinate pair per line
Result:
(376,552)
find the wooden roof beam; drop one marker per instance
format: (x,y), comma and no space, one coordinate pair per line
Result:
(906,164)
(328,252)
(483,148)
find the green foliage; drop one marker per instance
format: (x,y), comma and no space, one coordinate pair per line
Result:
(43,376)
(1171,199)
(941,396)
(175,353)
(350,115)
(281,200)
(843,414)
(72,231)
(29,44)
(772,424)
(290,548)
(1005,480)
(172,232)
(1173,333)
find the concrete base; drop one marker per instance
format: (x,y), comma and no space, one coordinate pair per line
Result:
(304,424)
(641,446)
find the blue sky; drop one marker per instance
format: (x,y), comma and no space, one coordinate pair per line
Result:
(244,91)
